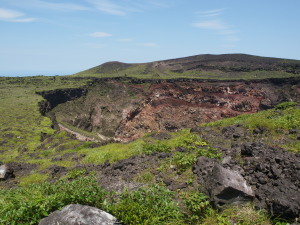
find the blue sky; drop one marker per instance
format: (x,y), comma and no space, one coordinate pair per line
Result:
(61,37)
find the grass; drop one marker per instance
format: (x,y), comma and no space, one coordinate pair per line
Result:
(242,215)
(33,178)
(111,152)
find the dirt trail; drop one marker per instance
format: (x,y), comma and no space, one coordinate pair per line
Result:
(79,136)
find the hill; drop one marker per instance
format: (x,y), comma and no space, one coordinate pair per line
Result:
(227,66)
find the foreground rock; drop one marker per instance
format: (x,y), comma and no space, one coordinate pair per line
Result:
(79,215)
(6,172)
(224,186)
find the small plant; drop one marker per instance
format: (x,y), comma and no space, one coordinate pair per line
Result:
(209,152)
(183,161)
(197,206)
(75,173)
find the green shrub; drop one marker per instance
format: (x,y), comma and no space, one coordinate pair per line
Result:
(197,206)
(209,152)
(73,174)
(183,160)
(149,148)
(29,204)
(148,205)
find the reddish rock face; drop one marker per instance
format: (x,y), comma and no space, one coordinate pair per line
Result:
(176,105)
(127,110)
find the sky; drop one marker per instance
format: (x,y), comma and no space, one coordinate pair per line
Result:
(61,37)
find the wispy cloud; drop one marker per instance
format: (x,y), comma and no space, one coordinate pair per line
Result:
(211,13)
(100,34)
(108,7)
(58,6)
(47,5)
(14,16)
(217,25)
(214,22)
(124,7)
(148,44)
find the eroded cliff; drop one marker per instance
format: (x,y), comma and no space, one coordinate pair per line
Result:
(125,109)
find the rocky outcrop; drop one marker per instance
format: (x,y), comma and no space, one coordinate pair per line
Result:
(272,173)
(76,214)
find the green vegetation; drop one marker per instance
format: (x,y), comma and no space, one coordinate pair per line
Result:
(28,205)
(276,123)
(148,205)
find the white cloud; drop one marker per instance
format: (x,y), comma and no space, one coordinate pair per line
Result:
(148,44)
(14,16)
(100,34)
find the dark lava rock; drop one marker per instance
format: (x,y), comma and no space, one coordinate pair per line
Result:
(21,169)
(161,136)
(275,175)
(251,149)
(79,215)
(57,171)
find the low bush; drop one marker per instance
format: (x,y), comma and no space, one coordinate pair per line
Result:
(148,205)
(197,207)
(29,204)
(149,148)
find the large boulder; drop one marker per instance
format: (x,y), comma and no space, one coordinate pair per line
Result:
(76,214)
(228,187)
(224,186)
(6,172)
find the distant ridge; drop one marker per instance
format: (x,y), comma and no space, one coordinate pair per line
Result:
(207,66)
